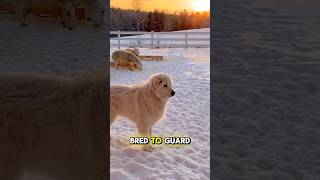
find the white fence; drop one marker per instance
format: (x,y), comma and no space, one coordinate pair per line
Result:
(177,39)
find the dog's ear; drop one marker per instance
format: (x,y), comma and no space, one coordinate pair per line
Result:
(156,81)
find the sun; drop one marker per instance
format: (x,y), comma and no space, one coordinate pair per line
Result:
(200,5)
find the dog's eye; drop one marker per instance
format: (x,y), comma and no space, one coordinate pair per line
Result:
(165,85)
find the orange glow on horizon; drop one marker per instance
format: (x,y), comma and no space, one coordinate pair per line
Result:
(165,5)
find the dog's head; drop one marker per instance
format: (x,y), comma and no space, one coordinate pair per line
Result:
(161,85)
(136,51)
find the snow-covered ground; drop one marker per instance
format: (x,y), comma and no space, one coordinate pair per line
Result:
(266,91)
(188,113)
(44,46)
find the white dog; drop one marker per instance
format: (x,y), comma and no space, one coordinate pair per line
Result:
(144,104)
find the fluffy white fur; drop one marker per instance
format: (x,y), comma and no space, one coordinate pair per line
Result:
(144,104)
(53,126)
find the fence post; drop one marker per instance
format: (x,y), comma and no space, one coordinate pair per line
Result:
(152,39)
(118,39)
(158,42)
(186,40)
(138,39)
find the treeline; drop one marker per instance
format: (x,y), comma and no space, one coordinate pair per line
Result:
(135,20)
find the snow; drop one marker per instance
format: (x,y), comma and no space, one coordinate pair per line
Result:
(44,46)
(188,114)
(266,91)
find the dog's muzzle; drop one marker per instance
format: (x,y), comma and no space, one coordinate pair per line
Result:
(172,93)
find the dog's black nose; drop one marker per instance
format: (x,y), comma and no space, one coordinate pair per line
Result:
(172,93)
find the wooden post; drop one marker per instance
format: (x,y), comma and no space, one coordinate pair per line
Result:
(152,39)
(118,39)
(186,40)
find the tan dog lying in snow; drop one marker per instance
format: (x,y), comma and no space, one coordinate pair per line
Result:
(144,104)
(126,58)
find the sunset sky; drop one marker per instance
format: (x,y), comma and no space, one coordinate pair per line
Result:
(168,5)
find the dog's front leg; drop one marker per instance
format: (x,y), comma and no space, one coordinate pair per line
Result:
(131,66)
(149,136)
(145,132)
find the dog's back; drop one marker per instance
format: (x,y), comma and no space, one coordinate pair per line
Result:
(52,126)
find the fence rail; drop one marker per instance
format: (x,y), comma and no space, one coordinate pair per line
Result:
(180,39)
